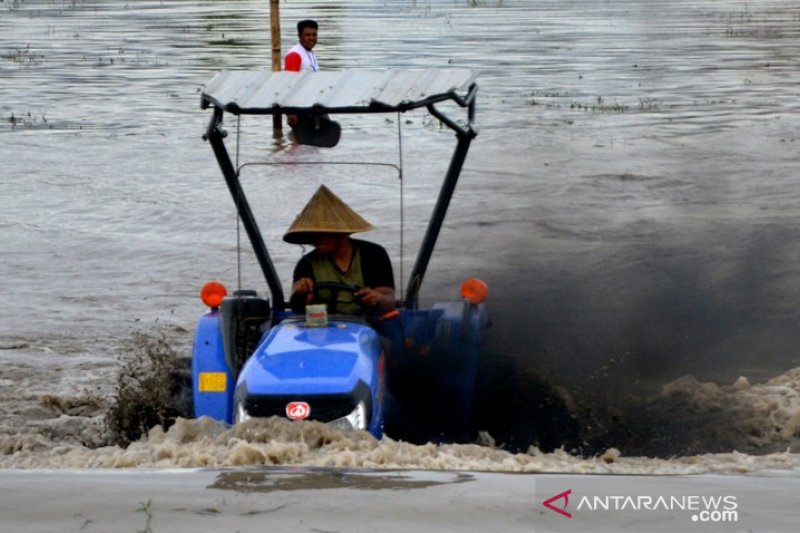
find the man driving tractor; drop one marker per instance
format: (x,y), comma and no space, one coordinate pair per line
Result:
(326,222)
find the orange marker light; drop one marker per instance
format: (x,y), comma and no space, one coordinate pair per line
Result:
(212,294)
(475,290)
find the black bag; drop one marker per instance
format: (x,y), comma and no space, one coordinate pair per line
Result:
(317,130)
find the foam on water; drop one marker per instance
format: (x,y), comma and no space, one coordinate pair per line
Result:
(43,430)
(207,443)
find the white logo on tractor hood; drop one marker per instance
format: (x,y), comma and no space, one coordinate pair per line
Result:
(298,410)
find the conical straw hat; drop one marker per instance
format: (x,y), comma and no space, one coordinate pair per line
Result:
(324,213)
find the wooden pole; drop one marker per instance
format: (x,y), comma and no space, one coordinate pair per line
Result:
(275,33)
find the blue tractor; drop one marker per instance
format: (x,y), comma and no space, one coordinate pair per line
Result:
(411,374)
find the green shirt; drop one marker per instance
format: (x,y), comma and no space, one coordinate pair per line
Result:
(326,270)
(370,266)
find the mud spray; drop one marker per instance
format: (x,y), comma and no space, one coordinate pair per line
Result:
(650,351)
(154,387)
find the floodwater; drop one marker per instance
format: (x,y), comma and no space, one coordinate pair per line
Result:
(631,199)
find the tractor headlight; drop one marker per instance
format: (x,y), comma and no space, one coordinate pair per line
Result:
(240,415)
(357,419)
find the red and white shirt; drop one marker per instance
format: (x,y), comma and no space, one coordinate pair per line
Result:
(298,59)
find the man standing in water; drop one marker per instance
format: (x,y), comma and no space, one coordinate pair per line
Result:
(315,130)
(301,56)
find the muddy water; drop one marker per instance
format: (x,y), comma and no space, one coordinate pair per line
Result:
(631,201)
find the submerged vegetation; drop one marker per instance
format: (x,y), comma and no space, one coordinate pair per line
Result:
(23,56)
(745,25)
(482,3)
(28,120)
(599,106)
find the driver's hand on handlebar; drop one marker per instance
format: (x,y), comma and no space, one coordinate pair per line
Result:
(302,294)
(303,286)
(366,296)
(372,297)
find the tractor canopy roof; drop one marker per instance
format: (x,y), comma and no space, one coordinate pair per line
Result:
(259,92)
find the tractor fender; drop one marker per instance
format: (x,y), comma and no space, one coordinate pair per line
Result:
(212,378)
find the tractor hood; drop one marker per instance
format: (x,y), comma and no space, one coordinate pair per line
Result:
(295,359)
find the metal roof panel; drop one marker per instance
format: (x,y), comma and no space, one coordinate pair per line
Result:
(262,91)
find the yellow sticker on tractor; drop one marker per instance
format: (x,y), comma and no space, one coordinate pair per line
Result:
(213,382)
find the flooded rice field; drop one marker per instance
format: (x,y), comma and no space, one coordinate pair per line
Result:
(631,199)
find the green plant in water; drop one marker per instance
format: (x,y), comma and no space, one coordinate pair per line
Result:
(144,507)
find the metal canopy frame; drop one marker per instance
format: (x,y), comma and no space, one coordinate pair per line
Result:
(243,93)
